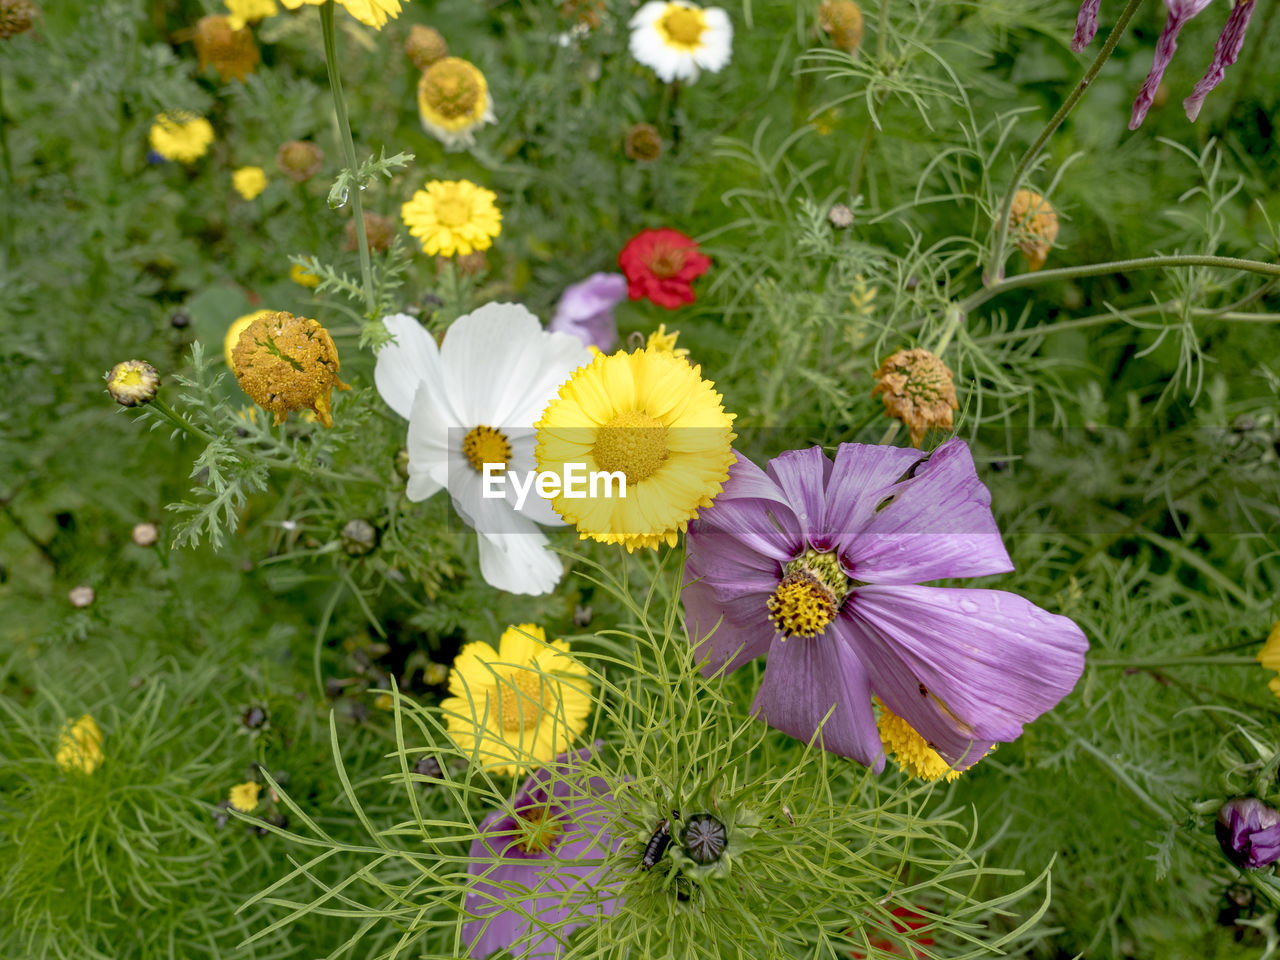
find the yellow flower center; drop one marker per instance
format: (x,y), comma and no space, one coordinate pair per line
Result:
(450,88)
(542,830)
(633,443)
(682,27)
(667,261)
(486,445)
(127,377)
(522,696)
(809,595)
(453,212)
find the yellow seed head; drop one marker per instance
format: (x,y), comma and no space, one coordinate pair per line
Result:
(299,160)
(918,389)
(643,143)
(287,363)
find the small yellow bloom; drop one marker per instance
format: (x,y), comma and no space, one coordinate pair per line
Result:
(372,13)
(238,326)
(662,342)
(244,796)
(132,383)
(241,13)
(520,705)
(910,750)
(299,275)
(454,101)
(384,701)
(453,217)
(181,136)
(1269,656)
(649,416)
(249,181)
(287,363)
(80,746)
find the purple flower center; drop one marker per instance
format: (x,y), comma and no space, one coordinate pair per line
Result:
(809,595)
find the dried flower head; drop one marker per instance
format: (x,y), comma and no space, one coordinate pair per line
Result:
(454,101)
(16,16)
(425,46)
(587,14)
(380,231)
(841,20)
(81,596)
(145,534)
(917,389)
(287,363)
(1034,225)
(359,537)
(132,383)
(299,160)
(643,143)
(841,216)
(230,51)
(467,264)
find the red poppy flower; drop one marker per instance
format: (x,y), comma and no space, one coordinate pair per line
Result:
(662,265)
(907,921)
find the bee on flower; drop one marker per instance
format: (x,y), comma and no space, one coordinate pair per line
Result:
(454,102)
(678,39)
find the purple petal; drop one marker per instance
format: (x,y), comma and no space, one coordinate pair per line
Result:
(586,309)
(1264,846)
(801,475)
(1180,12)
(860,481)
(804,679)
(1224,55)
(937,525)
(1086,24)
(989,661)
(725,633)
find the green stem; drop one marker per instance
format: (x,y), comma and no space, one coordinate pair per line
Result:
(995,269)
(179,421)
(349,149)
(1116,266)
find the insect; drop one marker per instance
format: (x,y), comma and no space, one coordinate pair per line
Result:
(658,844)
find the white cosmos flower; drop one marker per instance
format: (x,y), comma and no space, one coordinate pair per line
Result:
(474,399)
(677,39)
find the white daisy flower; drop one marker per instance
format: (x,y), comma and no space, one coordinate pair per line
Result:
(678,39)
(473,400)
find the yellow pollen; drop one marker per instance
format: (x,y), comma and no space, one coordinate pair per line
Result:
(910,750)
(522,696)
(542,828)
(682,27)
(802,606)
(486,445)
(633,443)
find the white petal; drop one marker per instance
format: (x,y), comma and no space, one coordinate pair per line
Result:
(405,363)
(522,462)
(647,15)
(519,563)
(428,443)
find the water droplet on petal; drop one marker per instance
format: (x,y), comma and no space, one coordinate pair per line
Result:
(968,606)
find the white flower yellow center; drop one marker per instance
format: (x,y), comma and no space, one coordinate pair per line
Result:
(522,696)
(633,443)
(682,28)
(486,445)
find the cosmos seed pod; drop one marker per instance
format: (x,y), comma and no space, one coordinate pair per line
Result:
(704,838)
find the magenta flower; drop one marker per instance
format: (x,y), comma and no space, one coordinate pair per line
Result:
(539,862)
(586,310)
(1249,832)
(1180,13)
(817,564)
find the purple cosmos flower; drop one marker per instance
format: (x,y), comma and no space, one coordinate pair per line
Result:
(1224,55)
(1180,13)
(543,864)
(586,310)
(817,564)
(1249,832)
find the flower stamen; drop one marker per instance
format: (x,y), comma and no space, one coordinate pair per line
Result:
(632,443)
(486,445)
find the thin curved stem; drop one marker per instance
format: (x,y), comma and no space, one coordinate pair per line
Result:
(995,268)
(349,150)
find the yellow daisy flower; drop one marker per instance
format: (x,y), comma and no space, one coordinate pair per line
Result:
(238,326)
(520,705)
(80,746)
(181,136)
(650,416)
(910,750)
(299,275)
(249,181)
(241,13)
(372,13)
(454,101)
(244,796)
(453,217)
(1269,656)
(664,342)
